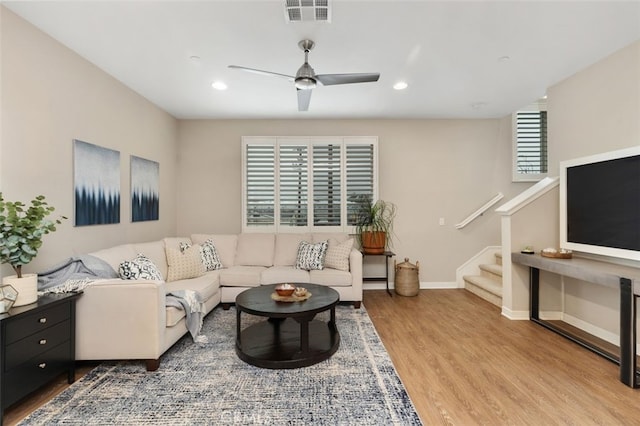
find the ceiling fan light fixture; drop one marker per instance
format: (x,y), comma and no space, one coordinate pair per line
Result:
(305,83)
(401,85)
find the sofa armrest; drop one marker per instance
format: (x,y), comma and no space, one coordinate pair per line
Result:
(121,319)
(355,267)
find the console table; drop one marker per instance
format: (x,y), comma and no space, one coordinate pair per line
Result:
(387,255)
(623,278)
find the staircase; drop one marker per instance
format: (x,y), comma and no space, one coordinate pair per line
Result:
(487,285)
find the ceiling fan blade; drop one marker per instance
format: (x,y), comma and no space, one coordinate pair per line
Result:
(331,79)
(304,97)
(269,73)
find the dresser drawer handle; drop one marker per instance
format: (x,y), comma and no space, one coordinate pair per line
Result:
(42,320)
(42,365)
(43,342)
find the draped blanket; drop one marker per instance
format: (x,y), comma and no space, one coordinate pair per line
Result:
(194,309)
(79,272)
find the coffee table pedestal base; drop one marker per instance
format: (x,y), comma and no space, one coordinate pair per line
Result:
(287,343)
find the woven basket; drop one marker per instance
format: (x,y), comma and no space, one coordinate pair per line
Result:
(406,281)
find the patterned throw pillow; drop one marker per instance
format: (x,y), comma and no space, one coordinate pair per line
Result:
(311,256)
(184,264)
(209,254)
(140,268)
(337,256)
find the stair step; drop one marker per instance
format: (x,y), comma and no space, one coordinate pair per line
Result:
(484,283)
(485,288)
(498,256)
(491,269)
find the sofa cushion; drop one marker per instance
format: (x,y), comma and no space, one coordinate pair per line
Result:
(255,249)
(140,268)
(115,255)
(286,250)
(330,277)
(184,264)
(207,285)
(155,252)
(324,236)
(311,256)
(225,246)
(175,242)
(241,276)
(337,256)
(284,274)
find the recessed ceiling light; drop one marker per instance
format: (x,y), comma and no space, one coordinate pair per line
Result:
(478,105)
(401,85)
(504,58)
(219,85)
(194,58)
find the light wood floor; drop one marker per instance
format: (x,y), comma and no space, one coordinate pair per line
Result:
(464,364)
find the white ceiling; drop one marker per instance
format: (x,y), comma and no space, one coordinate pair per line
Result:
(451,53)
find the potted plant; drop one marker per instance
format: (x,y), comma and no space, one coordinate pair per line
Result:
(374,224)
(21,232)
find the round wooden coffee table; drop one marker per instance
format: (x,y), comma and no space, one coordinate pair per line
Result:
(290,337)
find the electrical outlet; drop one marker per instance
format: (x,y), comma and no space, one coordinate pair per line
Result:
(441,221)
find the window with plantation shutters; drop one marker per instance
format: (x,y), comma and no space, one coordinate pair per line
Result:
(306,183)
(530,144)
(259,182)
(293,170)
(327,182)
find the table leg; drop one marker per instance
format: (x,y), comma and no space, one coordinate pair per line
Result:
(332,320)
(627,333)
(304,336)
(534,293)
(386,264)
(238,341)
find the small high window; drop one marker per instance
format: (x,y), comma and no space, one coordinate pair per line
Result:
(530,162)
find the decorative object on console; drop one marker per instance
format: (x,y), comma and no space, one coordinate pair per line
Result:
(527,250)
(21,232)
(8,297)
(556,253)
(96,176)
(145,189)
(374,224)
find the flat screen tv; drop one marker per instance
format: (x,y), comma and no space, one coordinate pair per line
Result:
(600,204)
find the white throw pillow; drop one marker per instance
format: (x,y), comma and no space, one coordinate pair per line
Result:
(184,264)
(311,256)
(337,256)
(140,268)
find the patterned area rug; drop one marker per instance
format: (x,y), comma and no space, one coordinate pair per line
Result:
(208,384)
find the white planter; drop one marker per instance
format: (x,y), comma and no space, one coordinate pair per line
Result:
(27,288)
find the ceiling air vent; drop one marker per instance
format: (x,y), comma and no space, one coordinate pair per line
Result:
(307,10)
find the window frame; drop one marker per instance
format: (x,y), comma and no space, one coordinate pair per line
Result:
(518,176)
(309,141)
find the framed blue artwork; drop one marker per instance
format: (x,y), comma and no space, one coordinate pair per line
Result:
(96,180)
(145,189)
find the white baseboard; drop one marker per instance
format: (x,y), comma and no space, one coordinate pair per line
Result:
(601,333)
(515,315)
(424,285)
(551,315)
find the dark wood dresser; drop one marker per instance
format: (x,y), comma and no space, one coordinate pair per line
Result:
(38,344)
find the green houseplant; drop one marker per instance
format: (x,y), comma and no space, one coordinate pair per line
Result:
(21,232)
(374,224)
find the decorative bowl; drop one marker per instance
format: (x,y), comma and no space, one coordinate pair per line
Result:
(300,292)
(285,289)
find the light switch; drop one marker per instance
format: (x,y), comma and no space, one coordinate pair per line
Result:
(441,221)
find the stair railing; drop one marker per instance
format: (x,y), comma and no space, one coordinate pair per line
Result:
(480,211)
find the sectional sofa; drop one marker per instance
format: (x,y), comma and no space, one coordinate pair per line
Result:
(129,319)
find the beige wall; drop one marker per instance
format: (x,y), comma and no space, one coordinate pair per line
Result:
(428,168)
(51,96)
(596,110)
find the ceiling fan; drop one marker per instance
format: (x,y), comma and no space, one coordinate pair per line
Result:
(306,79)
